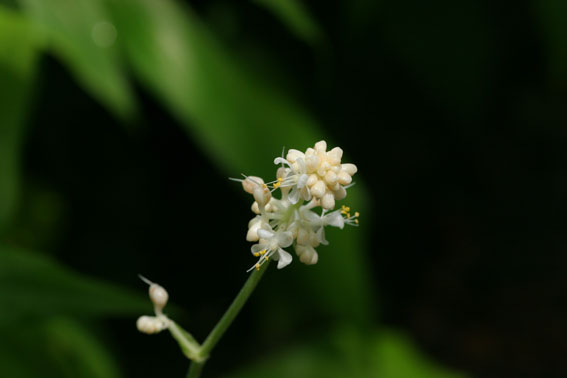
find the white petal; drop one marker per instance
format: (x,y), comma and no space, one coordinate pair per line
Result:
(281,160)
(257,248)
(284,258)
(301,165)
(313,218)
(334,219)
(321,236)
(293,196)
(305,193)
(284,239)
(302,180)
(265,234)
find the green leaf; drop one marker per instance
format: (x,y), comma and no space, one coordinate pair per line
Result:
(58,347)
(18,48)
(296,17)
(34,285)
(347,352)
(80,33)
(398,357)
(227,108)
(237,118)
(77,351)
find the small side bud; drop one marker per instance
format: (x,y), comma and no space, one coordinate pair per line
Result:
(159,296)
(150,324)
(262,195)
(250,183)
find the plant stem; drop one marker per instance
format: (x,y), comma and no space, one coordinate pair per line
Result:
(195,369)
(197,366)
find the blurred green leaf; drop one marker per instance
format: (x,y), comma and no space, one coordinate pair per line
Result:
(77,351)
(58,347)
(32,284)
(234,114)
(346,352)
(552,14)
(80,33)
(18,48)
(238,119)
(398,357)
(296,17)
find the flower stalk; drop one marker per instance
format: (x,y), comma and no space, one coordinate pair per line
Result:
(306,180)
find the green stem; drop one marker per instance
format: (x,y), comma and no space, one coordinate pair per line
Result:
(195,369)
(226,320)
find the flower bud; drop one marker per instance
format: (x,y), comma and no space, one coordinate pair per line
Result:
(250,183)
(150,324)
(262,195)
(159,297)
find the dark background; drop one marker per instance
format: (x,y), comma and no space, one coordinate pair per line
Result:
(454,113)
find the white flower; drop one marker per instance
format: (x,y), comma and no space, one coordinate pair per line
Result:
(336,218)
(271,245)
(316,176)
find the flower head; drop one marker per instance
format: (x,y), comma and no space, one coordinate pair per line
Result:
(307,180)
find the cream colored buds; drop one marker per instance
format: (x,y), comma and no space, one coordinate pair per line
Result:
(151,324)
(250,183)
(306,180)
(158,295)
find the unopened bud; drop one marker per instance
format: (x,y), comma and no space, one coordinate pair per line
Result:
(150,324)
(159,296)
(262,195)
(250,183)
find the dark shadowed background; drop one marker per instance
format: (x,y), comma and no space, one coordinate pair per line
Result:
(121,120)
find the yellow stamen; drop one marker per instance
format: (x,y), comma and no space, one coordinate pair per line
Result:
(262,252)
(356,214)
(266,257)
(257,266)
(256,254)
(356,221)
(348,215)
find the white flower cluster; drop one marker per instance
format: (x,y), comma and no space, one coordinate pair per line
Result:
(307,180)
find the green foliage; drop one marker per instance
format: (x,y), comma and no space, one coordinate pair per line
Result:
(55,347)
(345,352)
(35,285)
(295,16)
(78,32)
(240,121)
(228,110)
(18,48)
